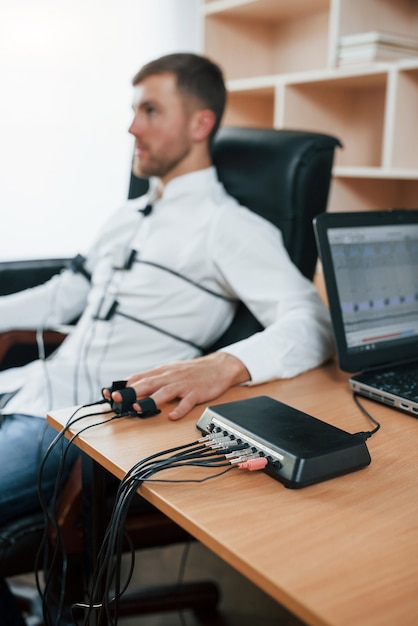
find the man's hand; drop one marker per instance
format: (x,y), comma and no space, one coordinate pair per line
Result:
(193,381)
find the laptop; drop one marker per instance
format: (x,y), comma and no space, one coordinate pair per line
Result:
(370,265)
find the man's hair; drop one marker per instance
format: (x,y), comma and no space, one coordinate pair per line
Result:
(196,76)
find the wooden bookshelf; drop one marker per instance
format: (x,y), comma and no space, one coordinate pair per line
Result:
(284,66)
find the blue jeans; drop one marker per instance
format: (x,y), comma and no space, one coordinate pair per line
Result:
(24,440)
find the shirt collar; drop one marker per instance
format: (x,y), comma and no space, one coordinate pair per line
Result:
(193,181)
(185,184)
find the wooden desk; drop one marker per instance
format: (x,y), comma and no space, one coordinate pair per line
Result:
(343,552)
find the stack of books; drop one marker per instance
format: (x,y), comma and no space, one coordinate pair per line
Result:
(375,46)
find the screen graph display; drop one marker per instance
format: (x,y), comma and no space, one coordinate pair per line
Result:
(376,270)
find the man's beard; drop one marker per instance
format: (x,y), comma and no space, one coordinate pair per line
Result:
(159,168)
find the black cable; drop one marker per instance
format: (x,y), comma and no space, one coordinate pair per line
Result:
(160,330)
(112,549)
(49,509)
(370,433)
(112,541)
(49,520)
(106,574)
(59,543)
(190,480)
(211,292)
(108,564)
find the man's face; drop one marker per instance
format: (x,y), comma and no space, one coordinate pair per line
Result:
(161,127)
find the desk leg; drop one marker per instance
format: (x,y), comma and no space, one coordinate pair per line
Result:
(94,514)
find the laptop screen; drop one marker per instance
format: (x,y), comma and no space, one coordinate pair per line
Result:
(370,264)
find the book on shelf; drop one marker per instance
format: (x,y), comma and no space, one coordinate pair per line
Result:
(375,46)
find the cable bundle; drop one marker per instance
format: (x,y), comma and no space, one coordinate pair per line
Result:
(106,585)
(217,450)
(46,559)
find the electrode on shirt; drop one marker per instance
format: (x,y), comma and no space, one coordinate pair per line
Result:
(107,309)
(146,211)
(123,259)
(77,265)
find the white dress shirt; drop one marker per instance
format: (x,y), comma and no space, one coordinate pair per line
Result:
(197,254)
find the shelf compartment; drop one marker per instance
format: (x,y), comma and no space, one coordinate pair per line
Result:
(352,108)
(372,194)
(250,39)
(250,108)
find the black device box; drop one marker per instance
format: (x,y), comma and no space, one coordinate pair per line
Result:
(302,450)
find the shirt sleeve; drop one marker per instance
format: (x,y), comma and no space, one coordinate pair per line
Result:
(297,333)
(58,301)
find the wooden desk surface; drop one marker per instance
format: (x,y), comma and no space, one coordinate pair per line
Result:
(343,552)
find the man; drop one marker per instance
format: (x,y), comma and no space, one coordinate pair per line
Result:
(172,138)
(160,283)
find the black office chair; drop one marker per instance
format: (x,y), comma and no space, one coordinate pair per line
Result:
(283,175)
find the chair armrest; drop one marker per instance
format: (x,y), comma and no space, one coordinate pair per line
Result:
(18,275)
(18,347)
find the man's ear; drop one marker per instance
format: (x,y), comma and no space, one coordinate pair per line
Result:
(202,123)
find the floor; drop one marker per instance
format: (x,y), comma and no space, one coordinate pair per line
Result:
(241,604)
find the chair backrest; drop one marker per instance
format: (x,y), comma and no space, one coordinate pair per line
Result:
(283,175)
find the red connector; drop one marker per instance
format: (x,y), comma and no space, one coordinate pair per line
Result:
(258,463)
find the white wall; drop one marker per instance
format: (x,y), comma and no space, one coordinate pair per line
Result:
(65,107)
